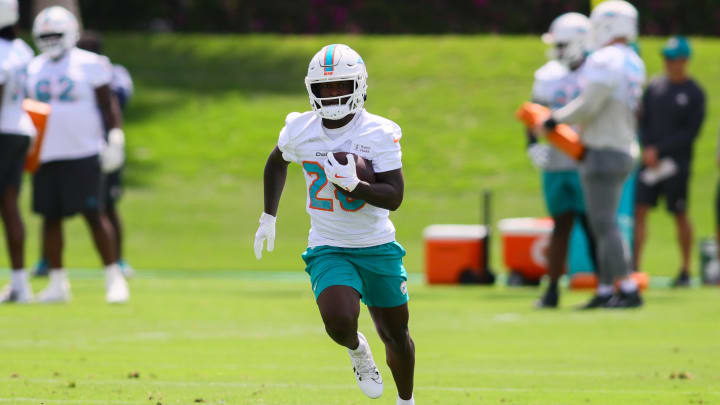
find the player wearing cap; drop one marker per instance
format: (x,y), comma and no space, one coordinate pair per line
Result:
(606,111)
(352,254)
(672,112)
(16,131)
(76,84)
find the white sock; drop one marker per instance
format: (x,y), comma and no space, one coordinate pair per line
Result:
(410,401)
(604,289)
(628,285)
(57,274)
(18,279)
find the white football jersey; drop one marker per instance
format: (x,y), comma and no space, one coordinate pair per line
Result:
(14,59)
(75,127)
(615,125)
(336,220)
(619,67)
(555,86)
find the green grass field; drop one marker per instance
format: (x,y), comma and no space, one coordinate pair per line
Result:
(208,322)
(208,110)
(256,338)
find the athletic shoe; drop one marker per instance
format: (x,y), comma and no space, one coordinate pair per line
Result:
(116,288)
(125,268)
(549,300)
(682,280)
(21,296)
(366,373)
(625,300)
(58,290)
(598,301)
(41,268)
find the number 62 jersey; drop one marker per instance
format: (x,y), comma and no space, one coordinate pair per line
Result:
(335,219)
(75,128)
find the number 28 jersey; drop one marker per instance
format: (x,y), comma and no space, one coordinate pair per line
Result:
(74,129)
(336,220)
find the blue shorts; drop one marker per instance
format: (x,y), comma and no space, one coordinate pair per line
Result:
(563,192)
(376,273)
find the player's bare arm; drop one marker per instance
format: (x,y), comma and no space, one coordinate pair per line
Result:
(386,192)
(274,180)
(109,107)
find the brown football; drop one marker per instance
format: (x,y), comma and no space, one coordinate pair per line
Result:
(363,168)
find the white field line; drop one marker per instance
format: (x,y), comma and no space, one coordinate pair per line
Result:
(335,387)
(71,401)
(161,336)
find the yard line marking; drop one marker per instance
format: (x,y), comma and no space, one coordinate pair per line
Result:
(231,384)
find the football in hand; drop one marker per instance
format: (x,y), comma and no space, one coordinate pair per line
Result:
(363,168)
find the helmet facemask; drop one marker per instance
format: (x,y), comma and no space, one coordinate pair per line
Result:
(51,44)
(337,107)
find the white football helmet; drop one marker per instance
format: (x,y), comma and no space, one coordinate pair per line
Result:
(613,19)
(9,14)
(336,63)
(55,31)
(569,35)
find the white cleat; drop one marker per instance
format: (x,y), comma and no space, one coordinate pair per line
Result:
(116,287)
(58,290)
(366,373)
(19,296)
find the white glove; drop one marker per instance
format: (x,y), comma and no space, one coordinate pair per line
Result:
(344,176)
(112,156)
(539,155)
(266,230)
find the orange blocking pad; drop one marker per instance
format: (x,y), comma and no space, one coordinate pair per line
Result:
(563,136)
(39,113)
(525,242)
(452,249)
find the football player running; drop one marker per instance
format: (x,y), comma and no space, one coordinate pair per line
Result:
(76,84)
(352,254)
(606,112)
(556,84)
(16,131)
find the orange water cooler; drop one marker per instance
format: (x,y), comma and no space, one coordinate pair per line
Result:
(452,250)
(525,242)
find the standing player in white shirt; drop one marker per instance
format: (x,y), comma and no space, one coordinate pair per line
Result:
(16,131)
(352,253)
(606,112)
(76,84)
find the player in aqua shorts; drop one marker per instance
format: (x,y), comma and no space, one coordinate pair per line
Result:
(352,254)
(557,83)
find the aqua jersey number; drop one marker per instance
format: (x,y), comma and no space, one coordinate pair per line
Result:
(326,204)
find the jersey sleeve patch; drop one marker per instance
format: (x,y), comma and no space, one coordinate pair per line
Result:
(388,154)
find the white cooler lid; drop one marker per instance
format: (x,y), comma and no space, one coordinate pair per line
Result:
(453,231)
(526,226)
